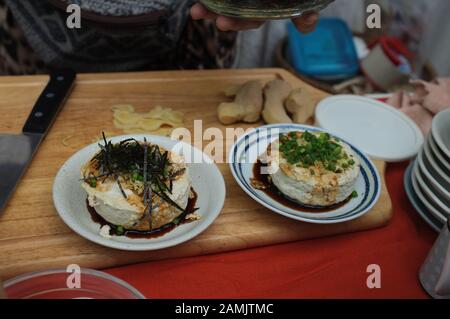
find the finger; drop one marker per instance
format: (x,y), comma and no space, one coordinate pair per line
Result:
(310,18)
(305,29)
(199,12)
(306,23)
(230,24)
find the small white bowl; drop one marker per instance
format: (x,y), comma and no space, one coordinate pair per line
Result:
(441,132)
(433,199)
(70,199)
(439,156)
(440,191)
(52,284)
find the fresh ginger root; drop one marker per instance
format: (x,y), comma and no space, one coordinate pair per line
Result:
(276,92)
(301,105)
(246,107)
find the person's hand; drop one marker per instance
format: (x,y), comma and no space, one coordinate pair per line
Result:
(304,24)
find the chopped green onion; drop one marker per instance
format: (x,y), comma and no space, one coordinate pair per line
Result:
(120,230)
(93,182)
(135,176)
(310,149)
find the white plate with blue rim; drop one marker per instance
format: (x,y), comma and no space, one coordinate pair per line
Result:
(246,152)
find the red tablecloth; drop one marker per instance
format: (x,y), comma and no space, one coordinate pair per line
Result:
(324,268)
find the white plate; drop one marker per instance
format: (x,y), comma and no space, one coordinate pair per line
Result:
(427,196)
(246,151)
(432,210)
(435,169)
(417,203)
(434,184)
(70,199)
(439,156)
(378,129)
(441,132)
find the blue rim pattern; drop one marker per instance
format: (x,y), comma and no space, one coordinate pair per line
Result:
(239,153)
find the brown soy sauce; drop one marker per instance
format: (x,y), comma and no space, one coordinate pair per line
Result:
(273,192)
(154,233)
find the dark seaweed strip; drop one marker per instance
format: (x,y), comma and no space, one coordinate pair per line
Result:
(164,196)
(131,157)
(148,201)
(121,188)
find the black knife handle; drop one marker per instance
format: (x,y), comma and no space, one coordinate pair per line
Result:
(50,101)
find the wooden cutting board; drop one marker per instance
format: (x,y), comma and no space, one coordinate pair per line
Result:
(33,237)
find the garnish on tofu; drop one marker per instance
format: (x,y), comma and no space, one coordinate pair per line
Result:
(143,167)
(308,150)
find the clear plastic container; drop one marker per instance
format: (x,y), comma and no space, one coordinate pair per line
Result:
(328,53)
(52,284)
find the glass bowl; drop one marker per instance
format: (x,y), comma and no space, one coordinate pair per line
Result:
(264,9)
(52,284)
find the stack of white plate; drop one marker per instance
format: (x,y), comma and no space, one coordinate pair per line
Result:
(427,180)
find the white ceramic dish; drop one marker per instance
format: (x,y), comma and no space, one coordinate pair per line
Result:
(380,130)
(432,209)
(431,181)
(429,195)
(435,169)
(438,189)
(249,148)
(52,284)
(70,199)
(441,132)
(438,155)
(416,202)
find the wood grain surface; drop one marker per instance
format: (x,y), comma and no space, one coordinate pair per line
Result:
(33,237)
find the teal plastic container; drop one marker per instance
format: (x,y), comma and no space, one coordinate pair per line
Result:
(328,53)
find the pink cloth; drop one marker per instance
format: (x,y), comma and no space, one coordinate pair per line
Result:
(414,110)
(428,99)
